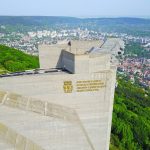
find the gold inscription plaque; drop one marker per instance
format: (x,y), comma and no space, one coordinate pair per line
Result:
(68,87)
(89,85)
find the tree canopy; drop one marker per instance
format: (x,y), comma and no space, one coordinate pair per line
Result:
(131,118)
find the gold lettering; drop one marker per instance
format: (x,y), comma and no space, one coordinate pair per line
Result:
(89,85)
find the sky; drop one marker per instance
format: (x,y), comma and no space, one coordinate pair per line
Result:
(76,8)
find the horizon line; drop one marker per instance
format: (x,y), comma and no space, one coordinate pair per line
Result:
(80,17)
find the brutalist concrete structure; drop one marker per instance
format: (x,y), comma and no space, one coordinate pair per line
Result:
(67,105)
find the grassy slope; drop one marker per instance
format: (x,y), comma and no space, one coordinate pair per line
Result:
(12,60)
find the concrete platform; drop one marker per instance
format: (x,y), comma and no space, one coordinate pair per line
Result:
(45,131)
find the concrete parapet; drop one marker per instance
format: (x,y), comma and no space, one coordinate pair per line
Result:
(61,112)
(36,106)
(44,108)
(2,95)
(17,141)
(16,101)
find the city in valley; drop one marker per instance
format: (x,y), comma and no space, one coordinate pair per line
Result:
(133,65)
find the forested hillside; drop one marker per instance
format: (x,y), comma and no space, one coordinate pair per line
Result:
(136,50)
(12,60)
(131,118)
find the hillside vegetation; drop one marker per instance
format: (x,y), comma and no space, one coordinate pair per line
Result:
(136,50)
(13,60)
(131,118)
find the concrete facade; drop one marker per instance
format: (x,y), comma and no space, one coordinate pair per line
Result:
(64,111)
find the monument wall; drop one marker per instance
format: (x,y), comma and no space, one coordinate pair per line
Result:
(49,56)
(90,95)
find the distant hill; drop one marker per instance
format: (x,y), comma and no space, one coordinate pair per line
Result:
(36,20)
(134,26)
(12,60)
(42,20)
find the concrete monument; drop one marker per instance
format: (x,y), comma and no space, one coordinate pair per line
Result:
(67,104)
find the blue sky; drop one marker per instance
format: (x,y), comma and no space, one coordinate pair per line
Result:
(76,8)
